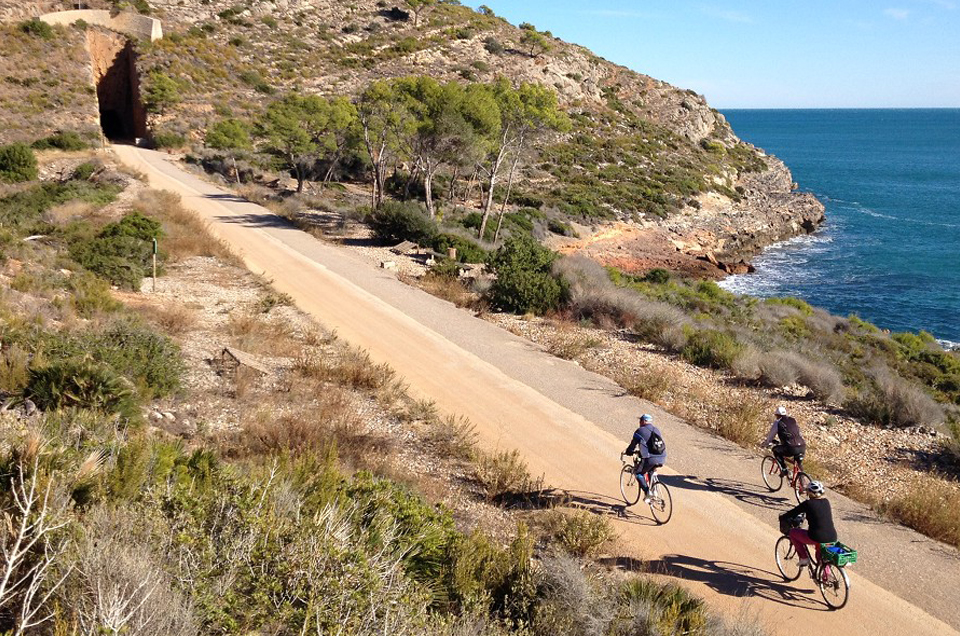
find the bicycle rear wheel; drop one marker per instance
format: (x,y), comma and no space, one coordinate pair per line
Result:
(834,585)
(770,471)
(788,561)
(661,503)
(629,486)
(800,486)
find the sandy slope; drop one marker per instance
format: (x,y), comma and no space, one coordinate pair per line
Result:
(719,541)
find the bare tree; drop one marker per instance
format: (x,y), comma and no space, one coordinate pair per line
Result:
(120,586)
(29,548)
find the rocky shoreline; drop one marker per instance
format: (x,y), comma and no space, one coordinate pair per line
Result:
(714,240)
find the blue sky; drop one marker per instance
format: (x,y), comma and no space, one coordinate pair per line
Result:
(771,53)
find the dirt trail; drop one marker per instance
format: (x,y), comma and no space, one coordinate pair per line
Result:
(513,392)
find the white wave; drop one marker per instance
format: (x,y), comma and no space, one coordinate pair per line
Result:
(949,345)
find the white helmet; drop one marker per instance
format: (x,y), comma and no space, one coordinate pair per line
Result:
(815,488)
(781,410)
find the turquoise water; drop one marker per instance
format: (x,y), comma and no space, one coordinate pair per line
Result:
(890,181)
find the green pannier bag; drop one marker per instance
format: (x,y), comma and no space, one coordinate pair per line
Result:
(838,554)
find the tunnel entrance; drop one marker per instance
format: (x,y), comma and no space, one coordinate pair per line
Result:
(122,115)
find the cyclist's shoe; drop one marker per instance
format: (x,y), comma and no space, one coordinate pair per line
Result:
(804,562)
(647,500)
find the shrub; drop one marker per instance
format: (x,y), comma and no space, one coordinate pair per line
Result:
(892,401)
(14,369)
(84,171)
(741,420)
(403,221)
(493,45)
(505,473)
(777,368)
(17,162)
(582,534)
(524,280)
(161,92)
(647,383)
(822,379)
(62,140)
(467,250)
(37,28)
(121,252)
(167,139)
(91,295)
(711,348)
(657,276)
(81,383)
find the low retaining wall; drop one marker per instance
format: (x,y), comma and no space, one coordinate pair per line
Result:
(128,23)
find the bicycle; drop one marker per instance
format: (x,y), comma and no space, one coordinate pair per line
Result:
(661,503)
(826,566)
(773,476)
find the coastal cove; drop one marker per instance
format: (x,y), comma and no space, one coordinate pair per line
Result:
(890,182)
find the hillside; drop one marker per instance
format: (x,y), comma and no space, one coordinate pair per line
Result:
(639,151)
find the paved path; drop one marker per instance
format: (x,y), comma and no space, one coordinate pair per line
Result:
(570,425)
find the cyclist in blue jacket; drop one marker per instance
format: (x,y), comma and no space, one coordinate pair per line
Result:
(653,451)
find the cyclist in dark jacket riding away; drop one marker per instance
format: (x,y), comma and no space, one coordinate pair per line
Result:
(819,521)
(788,431)
(648,440)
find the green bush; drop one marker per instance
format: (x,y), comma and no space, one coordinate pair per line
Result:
(17,163)
(467,251)
(84,171)
(121,252)
(38,28)
(91,295)
(167,139)
(80,383)
(23,209)
(525,281)
(161,92)
(403,221)
(711,348)
(62,140)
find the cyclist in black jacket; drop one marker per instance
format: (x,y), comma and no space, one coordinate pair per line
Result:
(791,441)
(819,521)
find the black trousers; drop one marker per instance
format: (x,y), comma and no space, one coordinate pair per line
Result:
(782,450)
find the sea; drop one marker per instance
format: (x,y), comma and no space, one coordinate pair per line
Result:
(889,251)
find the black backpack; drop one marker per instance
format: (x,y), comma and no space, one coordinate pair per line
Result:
(656,445)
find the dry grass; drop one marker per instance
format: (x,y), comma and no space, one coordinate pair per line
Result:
(173,319)
(893,401)
(186,234)
(70,211)
(740,419)
(594,297)
(570,345)
(259,334)
(580,533)
(448,288)
(451,436)
(505,474)
(14,369)
(330,422)
(647,383)
(930,505)
(350,367)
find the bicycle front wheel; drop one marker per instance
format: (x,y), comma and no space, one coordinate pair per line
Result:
(800,486)
(661,503)
(834,585)
(788,561)
(770,471)
(629,486)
